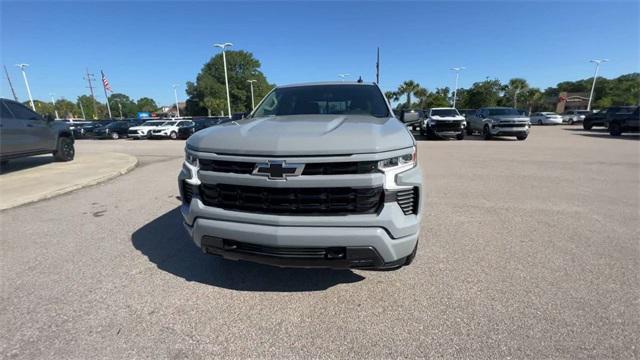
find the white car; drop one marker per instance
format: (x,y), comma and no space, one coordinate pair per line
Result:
(144,130)
(575,116)
(443,122)
(170,129)
(546,118)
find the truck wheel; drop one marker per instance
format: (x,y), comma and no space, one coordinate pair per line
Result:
(570,121)
(460,136)
(540,122)
(486,132)
(64,150)
(615,129)
(586,126)
(173,135)
(115,136)
(469,130)
(521,137)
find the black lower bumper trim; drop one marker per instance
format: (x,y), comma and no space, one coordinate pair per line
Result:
(311,257)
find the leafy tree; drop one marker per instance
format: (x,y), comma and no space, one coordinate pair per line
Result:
(87,105)
(484,93)
(66,109)
(129,107)
(42,108)
(146,104)
(209,90)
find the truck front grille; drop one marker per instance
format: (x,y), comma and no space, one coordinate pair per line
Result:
(334,168)
(292,201)
(446,126)
(509,125)
(408,200)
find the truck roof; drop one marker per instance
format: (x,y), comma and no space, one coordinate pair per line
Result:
(327,83)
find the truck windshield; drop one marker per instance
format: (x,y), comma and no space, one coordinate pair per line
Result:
(505,111)
(444,112)
(324,100)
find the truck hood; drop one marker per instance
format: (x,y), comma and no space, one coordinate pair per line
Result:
(447,118)
(304,135)
(515,118)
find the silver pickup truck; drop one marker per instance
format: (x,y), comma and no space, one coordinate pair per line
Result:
(499,121)
(318,175)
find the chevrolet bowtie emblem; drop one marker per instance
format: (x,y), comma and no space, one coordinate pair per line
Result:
(278,170)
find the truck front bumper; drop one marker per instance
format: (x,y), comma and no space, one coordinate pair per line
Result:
(378,240)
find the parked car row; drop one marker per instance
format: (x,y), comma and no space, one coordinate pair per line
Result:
(150,129)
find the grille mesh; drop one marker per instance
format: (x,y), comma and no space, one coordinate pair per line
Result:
(292,201)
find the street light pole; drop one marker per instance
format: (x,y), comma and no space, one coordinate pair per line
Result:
(226,79)
(175,94)
(455,89)
(253,104)
(595,75)
(26,82)
(53,101)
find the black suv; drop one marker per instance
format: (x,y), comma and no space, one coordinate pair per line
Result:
(625,122)
(24,132)
(114,130)
(602,117)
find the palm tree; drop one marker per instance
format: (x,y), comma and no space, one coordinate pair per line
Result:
(534,98)
(408,88)
(391,96)
(421,94)
(515,86)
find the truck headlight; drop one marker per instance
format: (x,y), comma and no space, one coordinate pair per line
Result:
(191,159)
(405,161)
(396,165)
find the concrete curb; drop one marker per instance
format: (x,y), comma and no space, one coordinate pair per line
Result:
(131,164)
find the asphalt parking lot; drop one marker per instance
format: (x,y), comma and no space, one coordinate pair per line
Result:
(528,249)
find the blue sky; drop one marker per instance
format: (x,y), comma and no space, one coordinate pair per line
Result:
(145,47)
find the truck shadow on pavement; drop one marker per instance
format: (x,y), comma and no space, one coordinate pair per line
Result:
(165,242)
(603,134)
(25,163)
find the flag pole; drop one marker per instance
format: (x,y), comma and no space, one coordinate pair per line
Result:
(106,95)
(378,67)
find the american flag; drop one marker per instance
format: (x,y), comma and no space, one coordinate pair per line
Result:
(105,82)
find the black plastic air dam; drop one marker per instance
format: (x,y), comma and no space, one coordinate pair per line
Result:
(330,257)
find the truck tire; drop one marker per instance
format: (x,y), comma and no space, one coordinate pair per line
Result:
(460,136)
(570,121)
(615,129)
(587,126)
(173,135)
(115,136)
(64,150)
(469,130)
(521,137)
(486,132)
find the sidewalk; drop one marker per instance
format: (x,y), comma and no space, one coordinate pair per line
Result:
(37,178)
